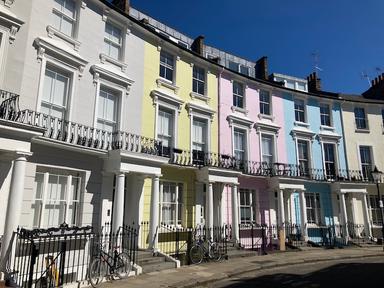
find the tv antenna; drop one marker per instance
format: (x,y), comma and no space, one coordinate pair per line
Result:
(364,75)
(315,56)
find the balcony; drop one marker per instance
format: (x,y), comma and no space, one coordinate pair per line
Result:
(64,131)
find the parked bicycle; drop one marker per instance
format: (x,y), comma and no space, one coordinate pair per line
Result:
(204,249)
(109,264)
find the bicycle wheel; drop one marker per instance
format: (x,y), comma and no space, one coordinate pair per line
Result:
(123,266)
(196,254)
(215,252)
(97,271)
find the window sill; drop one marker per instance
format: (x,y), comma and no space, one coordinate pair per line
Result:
(241,110)
(327,128)
(301,124)
(265,116)
(195,95)
(168,84)
(358,130)
(105,58)
(54,32)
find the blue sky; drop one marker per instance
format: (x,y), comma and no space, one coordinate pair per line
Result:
(348,35)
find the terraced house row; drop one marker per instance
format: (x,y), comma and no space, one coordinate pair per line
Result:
(114,117)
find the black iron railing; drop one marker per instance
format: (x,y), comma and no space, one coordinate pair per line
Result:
(176,241)
(258,237)
(78,134)
(58,256)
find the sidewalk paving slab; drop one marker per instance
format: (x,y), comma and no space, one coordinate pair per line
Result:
(197,275)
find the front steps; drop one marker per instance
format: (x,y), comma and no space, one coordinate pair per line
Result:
(150,262)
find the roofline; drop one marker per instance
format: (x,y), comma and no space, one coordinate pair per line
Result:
(322,94)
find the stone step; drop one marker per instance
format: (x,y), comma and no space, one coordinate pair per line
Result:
(151,262)
(158,267)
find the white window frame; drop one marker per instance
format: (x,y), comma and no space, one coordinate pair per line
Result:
(318,210)
(246,139)
(330,114)
(238,95)
(49,62)
(172,112)
(263,102)
(274,148)
(75,20)
(199,80)
(121,45)
(304,110)
(377,209)
(69,174)
(167,66)
(365,119)
(118,108)
(207,121)
(371,156)
(176,183)
(336,155)
(121,91)
(310,160)
(253,202)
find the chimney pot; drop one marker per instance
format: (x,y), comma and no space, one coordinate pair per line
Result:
(261,68)
(198,45)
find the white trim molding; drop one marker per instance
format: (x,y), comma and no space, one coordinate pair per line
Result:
(245,122)
(198,109)
(107,59)
(58,50)
(52,31)
(10,21)
(111,74)
(165,98)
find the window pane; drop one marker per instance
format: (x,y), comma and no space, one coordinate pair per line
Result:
(66,26)
(60,91)
(48,85)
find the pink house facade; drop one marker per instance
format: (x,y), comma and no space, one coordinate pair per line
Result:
(251,124)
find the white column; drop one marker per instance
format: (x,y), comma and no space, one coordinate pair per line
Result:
(367,221)
(209,209)
(15,200)
(235,214)
(154,216)
(280,197)
(303,214)
(118,202)
(344,217)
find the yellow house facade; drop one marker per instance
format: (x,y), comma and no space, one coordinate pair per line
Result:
(180,111)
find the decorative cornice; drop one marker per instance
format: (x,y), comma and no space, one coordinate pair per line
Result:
(161,96)
(54,32)
(162,82)
(105,58)
(102,71)
(247,123)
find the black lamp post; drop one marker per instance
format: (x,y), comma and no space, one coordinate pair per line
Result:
(377,175)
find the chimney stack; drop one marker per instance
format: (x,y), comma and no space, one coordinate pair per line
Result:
(123,5)
(376,91)
(314,83)
(261,68)
(198,45)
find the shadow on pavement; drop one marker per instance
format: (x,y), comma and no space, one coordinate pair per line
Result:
(346,275)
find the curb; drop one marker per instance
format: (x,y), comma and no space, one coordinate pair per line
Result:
(266,267)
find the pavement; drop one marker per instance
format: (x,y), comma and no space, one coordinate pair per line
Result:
(197,275)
